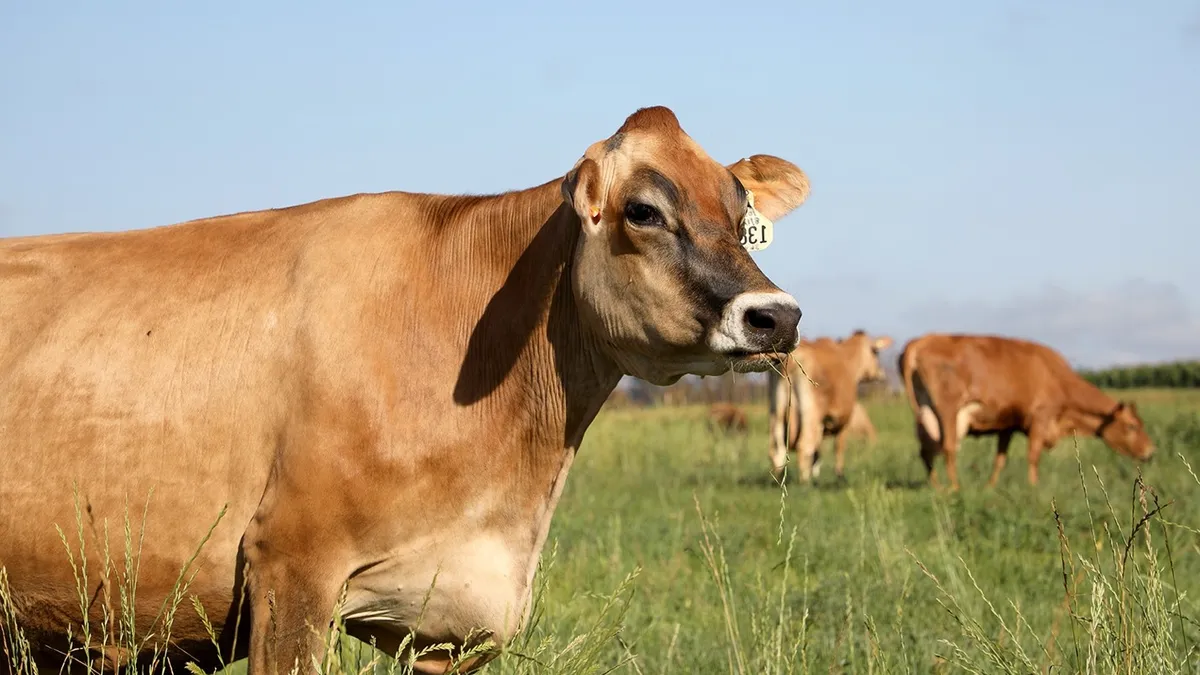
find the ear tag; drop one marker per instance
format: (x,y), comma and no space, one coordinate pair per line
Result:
(595,215)
(757,230)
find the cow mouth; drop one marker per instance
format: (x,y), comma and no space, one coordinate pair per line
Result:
(755,362)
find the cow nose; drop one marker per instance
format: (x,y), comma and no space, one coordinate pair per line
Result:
(772,324)
(757,322)
(768,323)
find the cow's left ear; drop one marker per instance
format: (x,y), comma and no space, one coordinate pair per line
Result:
(581,189)
(778,185)
(881,343)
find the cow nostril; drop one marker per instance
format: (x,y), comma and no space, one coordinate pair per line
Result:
(760,319)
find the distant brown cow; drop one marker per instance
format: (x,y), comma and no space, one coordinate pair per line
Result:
(978,385)
(727,417)
(802,415)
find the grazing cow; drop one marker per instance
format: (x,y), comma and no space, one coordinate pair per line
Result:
(979,385)
(381,388)
(726,417)
(802,415)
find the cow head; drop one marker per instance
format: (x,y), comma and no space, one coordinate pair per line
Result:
(864,353)
(1125,432)
(659,273)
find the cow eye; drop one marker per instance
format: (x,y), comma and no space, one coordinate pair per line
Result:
(643,215)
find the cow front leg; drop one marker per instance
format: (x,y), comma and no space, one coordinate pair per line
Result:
(1002,443)
(778,454)
(950,437)
(840,463)
(1037,445)
(778,457)
(294,582)
(291,612)
(929,452)
(782,422)
(808,452)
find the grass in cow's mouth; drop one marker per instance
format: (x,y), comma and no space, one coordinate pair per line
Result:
(673,552)
(747,362)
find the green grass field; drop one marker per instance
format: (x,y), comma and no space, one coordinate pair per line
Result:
(854,598)
(672,551)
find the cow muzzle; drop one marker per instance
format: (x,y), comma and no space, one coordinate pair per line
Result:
(757,324)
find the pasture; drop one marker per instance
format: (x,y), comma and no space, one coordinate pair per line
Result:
(672,551)
(853,597)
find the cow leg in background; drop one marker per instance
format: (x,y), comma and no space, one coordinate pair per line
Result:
(1041,437)
(1001,456)
(779,459)
(1035,455)
(777,453)
(948,417)
(810,429)
(929,433)
(929,451)
(809,447)
(840,463)
(782,422)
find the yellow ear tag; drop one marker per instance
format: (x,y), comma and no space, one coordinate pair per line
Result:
(757,230)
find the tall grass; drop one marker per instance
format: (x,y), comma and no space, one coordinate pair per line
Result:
(785,593)
(115,642)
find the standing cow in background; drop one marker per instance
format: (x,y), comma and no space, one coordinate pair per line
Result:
(816,396)
(977,385)
(381,388)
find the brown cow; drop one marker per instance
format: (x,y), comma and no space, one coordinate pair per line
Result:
(802,415)
(727,417)
(381,388)
(979,385)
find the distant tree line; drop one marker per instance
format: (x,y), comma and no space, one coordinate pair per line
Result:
(739,388)
(1178,375)
(746,389)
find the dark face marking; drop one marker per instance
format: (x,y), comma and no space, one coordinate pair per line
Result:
(710,277)
(614,141)
(664,185)
(712,265)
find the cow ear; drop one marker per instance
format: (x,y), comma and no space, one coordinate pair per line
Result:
(581,189)
(778,185)
(882,343)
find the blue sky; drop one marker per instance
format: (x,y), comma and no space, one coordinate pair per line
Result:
(1028,168)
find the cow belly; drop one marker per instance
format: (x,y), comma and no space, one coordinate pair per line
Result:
(481,585)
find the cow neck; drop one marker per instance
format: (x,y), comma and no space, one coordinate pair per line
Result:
(530,346)
(1087,406)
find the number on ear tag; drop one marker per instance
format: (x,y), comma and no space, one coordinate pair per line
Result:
(757,230)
